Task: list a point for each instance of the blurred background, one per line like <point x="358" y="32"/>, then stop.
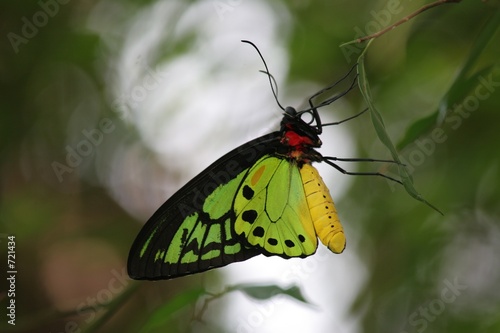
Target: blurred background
<point x="108" y="107"/>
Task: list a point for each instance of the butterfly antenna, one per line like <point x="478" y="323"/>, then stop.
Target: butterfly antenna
<point x="275" y="85"/>
<point x="270" y="77"/>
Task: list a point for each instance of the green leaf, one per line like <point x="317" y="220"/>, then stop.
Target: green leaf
<point x="422" y="125"/>
<point x="378" y="124"/>
<point x="461" y="86"/>
<point x="453" y="96"/>
<point x="264" y="292"/>
<point x="162" y="316"/>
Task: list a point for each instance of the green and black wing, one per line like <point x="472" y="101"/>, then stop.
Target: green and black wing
<point x="193" y="231"/>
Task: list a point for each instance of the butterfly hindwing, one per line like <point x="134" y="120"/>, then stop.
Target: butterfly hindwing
<point x="272" y="210"/>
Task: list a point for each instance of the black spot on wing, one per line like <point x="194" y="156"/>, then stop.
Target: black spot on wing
<point x="258" y="232"/>
<point x="272" y="241"/>
<point x="249" y="216"/>
<point x="248" y="192"/>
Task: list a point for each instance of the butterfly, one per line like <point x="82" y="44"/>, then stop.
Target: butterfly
<point x="264" y="197"/>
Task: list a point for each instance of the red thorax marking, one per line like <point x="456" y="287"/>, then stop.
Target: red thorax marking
<point x="294" y="140"/>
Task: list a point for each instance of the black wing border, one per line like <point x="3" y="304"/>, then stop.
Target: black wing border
<point x="187" y="200"/>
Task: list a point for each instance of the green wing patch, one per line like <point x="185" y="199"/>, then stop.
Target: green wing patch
<point x="272" y="211"/>
<point x="202" y="240"/>
<point x="193" y="231"/>
<point x="206" y="235"/>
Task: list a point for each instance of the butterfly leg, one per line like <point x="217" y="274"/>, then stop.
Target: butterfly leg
<point x="328" y="161"/>
<point x="347" y="119"/>
<point x="331" y="158"/>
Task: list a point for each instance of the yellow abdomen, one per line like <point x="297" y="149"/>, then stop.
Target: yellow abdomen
<point x="323" y="213"/>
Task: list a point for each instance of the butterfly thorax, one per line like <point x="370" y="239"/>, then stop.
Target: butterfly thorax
<point x="299" y="140"/>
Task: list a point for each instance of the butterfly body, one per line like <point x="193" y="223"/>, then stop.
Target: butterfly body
<point x="263" y="197"/>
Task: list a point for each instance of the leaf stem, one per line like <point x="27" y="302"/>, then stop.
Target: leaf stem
<point x="403" y="20"/>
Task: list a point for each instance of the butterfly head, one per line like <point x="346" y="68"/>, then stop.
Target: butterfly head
<point x="298" y="134"/>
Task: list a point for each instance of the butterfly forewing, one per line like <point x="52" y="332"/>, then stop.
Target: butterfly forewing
<point x="193" y="231"/>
